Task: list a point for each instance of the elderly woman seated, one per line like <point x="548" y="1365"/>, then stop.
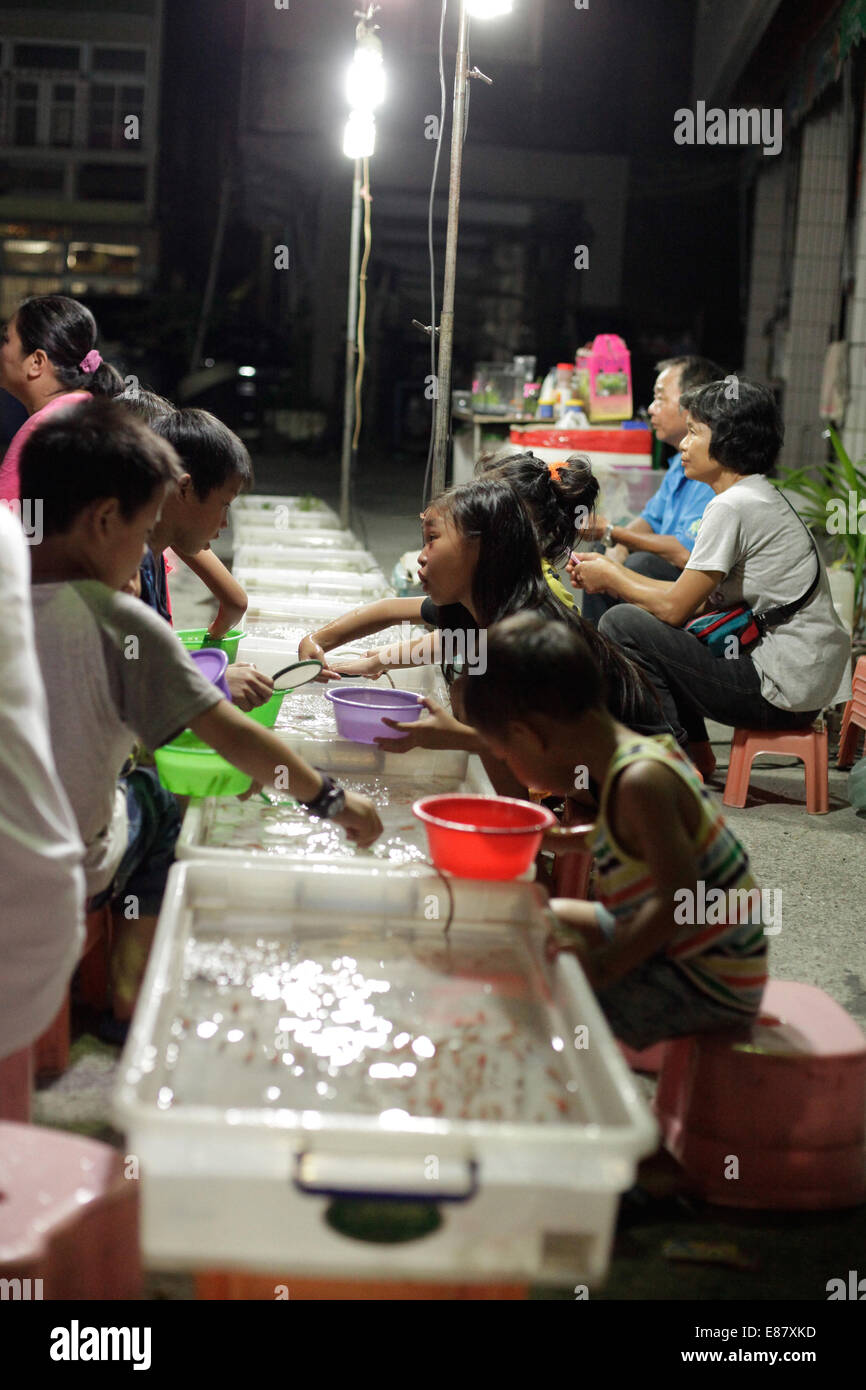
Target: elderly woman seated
<point x="751" y="548"/>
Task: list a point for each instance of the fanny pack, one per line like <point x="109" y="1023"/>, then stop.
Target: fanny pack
<point x="715" y="628"/>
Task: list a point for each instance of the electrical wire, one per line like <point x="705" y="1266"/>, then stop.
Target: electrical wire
<point x="430" y="252"/>
<point x="360" y="345"/>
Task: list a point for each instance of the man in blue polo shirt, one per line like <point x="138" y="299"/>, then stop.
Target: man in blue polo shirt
<point x="659" y="542"/>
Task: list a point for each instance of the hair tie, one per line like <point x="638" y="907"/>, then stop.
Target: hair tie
<point x="554" y="469"/>
<point x="89" y="363"/>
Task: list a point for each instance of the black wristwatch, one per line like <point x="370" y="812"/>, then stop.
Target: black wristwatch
<point x="329" y="802"/>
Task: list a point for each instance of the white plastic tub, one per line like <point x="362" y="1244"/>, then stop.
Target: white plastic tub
<point x="271" y="654"/>
<point x="253" y="532"/>
<point x="248" y="1122"/>
<point x="299" y="511"/>
<point x="218" y="828"/>
<point x="343" y="586"/>
<point x="297" y="557"/>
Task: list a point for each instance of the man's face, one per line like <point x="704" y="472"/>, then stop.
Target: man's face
<point x="668" y="420"/>
<point x="196" y="522"/>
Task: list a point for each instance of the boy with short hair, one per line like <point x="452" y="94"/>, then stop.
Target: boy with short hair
<point x="216" y="467"/>
<point x="114" y="672"/>
<point x="663" y="852"/>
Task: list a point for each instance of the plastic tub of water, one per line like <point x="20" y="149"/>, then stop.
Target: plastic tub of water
<point x="299" y="511"/>
<point x="360" y="712"/>
<point x="483" y="837"/>
<point x="295" y="557"/>
<point x="344" y="586"/>
<point x="471" y="1047"/>
<point x="253" y="529"/>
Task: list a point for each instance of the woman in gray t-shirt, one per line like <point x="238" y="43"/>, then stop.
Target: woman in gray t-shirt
<point x="751" y="548"/>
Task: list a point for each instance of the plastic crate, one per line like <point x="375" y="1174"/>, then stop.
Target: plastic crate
<point x="242" y="1162"/>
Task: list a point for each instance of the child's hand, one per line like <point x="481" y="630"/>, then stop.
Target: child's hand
<point x="369" y="666"/>
<point x="441" y="730"/>
<point x="308" y="650"/>
<point x="249" y="686"/>
<point x="360" y="820"/>
<point x="133" y="585"/>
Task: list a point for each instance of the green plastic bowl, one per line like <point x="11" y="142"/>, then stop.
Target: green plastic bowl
<point x="194" y="637"/>
<point x="188" y="767"/>
<point x="268" y="712"/>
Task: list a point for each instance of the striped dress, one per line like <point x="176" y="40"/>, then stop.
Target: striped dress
<point x="725" y="959"/>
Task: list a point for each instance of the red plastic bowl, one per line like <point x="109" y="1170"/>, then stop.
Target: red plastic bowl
<point x="494" y="837"/>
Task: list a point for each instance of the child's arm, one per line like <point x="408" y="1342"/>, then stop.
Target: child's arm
<point x="420" y="651"/>
<point x="650" y="825"/>
<point x="262" y="755"/>
<point x="226" y="590"/>
<point x="441" y="730"/>
<point x="360" y="622"/>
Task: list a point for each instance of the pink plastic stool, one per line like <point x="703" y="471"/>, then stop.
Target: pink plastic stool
<point x="786" y="1099"/>
<point x="808" y="744"/>
<point x="854" y="718"/>
<point x="67" y="1215"/>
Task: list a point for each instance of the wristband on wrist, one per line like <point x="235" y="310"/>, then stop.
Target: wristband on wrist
<point x="328" y="802"/>
<point x="607" y="538"/>
<point x="605" y="920"/>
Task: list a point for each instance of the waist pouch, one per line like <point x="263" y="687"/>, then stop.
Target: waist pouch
<point x="714" y="629"/>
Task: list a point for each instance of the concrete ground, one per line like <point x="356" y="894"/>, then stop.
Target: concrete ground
<point x="815" y="862"/>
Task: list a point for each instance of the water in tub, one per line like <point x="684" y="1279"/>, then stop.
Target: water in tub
<point x="359" y="1021"/>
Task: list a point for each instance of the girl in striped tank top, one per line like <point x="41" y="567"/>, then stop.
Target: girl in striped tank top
<point x="677" y="942"/>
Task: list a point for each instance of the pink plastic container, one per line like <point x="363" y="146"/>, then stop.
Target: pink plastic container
<point x="493" y="837"/>
<point x="360" y="711"/>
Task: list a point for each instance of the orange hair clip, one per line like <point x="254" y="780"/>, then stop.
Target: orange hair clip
<point x="554" y="469"/>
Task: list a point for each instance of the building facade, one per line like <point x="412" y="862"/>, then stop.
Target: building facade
<point x="79" y="123"/>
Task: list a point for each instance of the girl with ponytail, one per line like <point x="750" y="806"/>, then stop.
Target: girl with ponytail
<point x="48" y="360"/>
<point x="560" y="499"/>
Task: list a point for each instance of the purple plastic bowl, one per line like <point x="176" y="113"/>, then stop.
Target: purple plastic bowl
<point x="213" y="663"/>
<point x="360" y="711"/>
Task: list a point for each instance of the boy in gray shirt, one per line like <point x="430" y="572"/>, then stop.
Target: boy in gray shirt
<point x="115" y="673"/>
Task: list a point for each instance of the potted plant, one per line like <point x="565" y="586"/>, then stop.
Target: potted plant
<point x="832" y="501"/>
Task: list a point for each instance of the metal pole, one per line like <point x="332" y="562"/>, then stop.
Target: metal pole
<point x="351" y="332"/>
<point x="215" y="258"/>
<point x="446" y="323"/>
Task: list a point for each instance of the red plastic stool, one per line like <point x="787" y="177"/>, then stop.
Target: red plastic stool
<point x="774" y="1115"/>
<point x="68" y="1217"/>
<point x="808" y="744"/>
<point x="854" y="718"/>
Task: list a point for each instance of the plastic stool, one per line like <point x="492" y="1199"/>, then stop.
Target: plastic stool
<point x="67" y="1216"/>
<point x="854" y="717"/>
<point x="810" y="745"/>
<point x="785" y="1098"/>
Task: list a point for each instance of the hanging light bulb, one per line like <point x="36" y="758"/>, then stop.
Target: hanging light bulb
<point x="489" y="9"/>
<point x="359" y="138"/>
<point x="365" y="80"/>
